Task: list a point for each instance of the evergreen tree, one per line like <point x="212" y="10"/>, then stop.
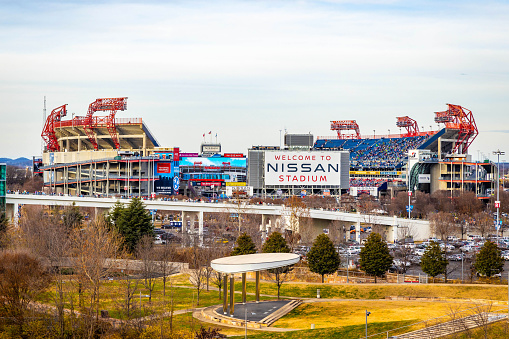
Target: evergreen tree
<point x="275" y="243"/>
<point x="433" y="261"/>
<point x="245" y="245"/>
<point x="323" y="257"/>
<point x="375" y="258"/>
<point x="489" y="261"/>
<point x="132" y="222"/>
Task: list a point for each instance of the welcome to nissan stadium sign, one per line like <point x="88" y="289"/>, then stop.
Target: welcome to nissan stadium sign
<point x="302" y="168"/>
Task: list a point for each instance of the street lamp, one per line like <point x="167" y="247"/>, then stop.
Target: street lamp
<point x="367" y="314"/>
<point x="498" y="153"/>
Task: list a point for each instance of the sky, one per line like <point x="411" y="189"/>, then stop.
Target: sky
<point x="251" y="70"/>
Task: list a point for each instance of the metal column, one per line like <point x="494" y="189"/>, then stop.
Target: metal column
<point x="244" y="287"/>
<point x="257" y="293"/>
<point x="232" y="295"/>
<point x="225" y="293"/>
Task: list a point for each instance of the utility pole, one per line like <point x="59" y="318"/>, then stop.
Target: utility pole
<point x="498" y="153"/>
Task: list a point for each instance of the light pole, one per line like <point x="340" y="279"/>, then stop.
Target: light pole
<point x="409" y="208"/>
<point x="461" y="251"/>
<point x="498" y="153"/>
<point x="367" y="315"/>
<point x="373" y="134"/>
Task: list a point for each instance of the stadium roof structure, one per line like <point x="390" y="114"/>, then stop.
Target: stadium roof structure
<point x="92" y="132"/>
<point x="448" y="138"/>
<point x="132" y="133"/>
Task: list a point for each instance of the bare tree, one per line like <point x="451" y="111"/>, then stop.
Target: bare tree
<point x="198" y="271"/>
<point x="442" y="224"/>
<point x="127" y="304"/>
<point x="147" y="256"/>
<point x="297" y="213"/>
<point x="165" y="263"/>
<point x="22" y="279"/>
<point x="94" y="247"/>
<point x="404" y="252"/>
<point x="483" y="222"/>
<point x="481" y="316"/>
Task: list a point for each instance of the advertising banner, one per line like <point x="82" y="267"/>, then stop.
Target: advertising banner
<point x="302" y="168"/>
<point x="164" y="173"/>
<point x="213" y="162"/>
<point x="164" y="167"/>
<point x="424" y="178"/>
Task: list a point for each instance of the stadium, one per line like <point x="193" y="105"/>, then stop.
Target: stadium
<point x="413" y="160"/>
<point x="104" y="155"/>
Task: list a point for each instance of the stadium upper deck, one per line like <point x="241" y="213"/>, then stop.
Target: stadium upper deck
<point x="384" y="153"/>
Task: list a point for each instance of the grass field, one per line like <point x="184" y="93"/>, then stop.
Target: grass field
<point x="332" y="319"/>
<point x="344" y="313"/>
<point x="380" y="291"/>
<point x="112" y="294"/>
<point x="352" y="331"/>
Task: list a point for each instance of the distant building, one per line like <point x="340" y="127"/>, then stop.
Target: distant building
<point x="3" y="187"/>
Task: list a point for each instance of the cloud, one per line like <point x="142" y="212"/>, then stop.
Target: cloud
<point x="248" y="69"/>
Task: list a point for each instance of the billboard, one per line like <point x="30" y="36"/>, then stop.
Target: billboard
<point x="213" y="162"/>
<point x="302" y="168"/>
<point x="165" y="173"/>
<point x="424" y="178"/>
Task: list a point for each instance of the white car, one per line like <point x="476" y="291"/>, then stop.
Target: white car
<point x="354" y="250"/>
<point x="419" y="251"/>
<point x="447" y="247"/>
<point x="401" y="263"/>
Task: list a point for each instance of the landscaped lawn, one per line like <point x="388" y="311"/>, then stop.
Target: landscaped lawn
<point x="380" y="291"/>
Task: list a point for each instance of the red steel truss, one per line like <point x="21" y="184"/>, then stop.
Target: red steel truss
<point x="412" y="129"/>
<point x="105" y="104"/>
<point x="462" y="119"/>
<point x="48" y="131"/>
<point x="346" y="125"/>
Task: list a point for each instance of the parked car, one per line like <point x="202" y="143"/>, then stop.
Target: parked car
<point x="419" y="251"/>
<point x="353" y="250"/>
<point x="401" y="263"/>
<point x="454" y="257"/>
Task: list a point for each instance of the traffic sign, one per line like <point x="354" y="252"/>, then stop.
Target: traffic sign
<point x="409" y="208"/>
<point x="409" y="193"/>
<point x="497" y="204"/>
<point x="176" y="184"/>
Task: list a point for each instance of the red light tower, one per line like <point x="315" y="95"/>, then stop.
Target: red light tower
<point x="412" y="129"/>
<point x="48" y="131"/>
<point x="346" y="125"/>
<point x="105" y="104"/>
<point x="461" y="119"/>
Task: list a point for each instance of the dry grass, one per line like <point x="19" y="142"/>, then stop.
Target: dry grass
<point x="346" y="313"/>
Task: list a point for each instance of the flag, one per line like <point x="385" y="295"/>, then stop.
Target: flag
<point x="204" y="135"/>
<point x="210" y="132"/>
<point x="216" y="135"/>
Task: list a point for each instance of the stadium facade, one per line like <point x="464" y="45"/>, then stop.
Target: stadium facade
<point x="107" y="156"/>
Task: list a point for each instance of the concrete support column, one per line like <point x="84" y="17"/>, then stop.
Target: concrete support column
<point x="200" y="223"/>
<point x="225" y="293"/>
<point x="244" y="288"/>
<point x="9" y="211"/>
<point x="257" y="292"/>
<point x="232" y="295"/>
<point x="184" y="223"/>
<point x="358" y="229"/>
<point x="15" y="217"/>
